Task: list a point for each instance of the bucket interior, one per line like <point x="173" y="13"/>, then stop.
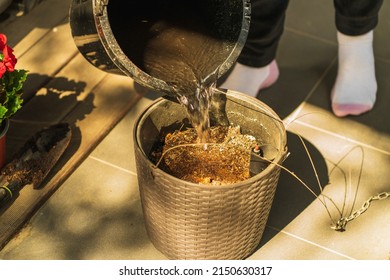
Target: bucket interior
<point x="171" y="42"/>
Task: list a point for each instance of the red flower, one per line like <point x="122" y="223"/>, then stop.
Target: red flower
<point x="3" y="41"/>
<point x="3" y="69"/>
<point x="9" y="58"/>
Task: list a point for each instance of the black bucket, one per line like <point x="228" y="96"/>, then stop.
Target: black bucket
<point x="207" y="36"/>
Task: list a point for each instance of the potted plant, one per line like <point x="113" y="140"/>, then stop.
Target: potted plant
<point x="11" y="84"/>
<point x="187" y="220"/>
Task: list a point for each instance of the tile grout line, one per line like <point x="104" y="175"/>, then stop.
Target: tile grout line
<point x="343" y="137"/>
<point x="113" y="165"/>
<point x="311" y="243"/>
<point x="308" y="35"/>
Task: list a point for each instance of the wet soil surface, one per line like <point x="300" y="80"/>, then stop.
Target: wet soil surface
<point x="224" y="159"/>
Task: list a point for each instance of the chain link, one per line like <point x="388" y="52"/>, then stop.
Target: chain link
<point x="342" y="222"/>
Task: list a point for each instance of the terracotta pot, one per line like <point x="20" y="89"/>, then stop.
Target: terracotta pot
<point x="3" y="131"/>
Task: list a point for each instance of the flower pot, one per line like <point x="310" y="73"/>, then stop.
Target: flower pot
<point x="192" y="221"/>
<point x="3" y="131"/>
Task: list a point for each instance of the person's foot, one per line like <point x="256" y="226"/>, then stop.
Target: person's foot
<point x="354" y="91"/>
<point x="251" y="80"/>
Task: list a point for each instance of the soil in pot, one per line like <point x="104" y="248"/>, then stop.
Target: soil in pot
<point x="224" y="159"/>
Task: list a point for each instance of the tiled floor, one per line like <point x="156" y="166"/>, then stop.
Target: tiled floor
<point x="96" y="213"/>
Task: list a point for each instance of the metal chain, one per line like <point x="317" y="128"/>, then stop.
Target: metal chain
<point x="342" y="223"/>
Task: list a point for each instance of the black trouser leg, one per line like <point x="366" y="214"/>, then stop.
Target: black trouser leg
<point x="267" y="24"/>
<point x="357" y="17"/>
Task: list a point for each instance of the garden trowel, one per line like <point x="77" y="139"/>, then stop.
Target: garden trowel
<point x="34" y="160"/>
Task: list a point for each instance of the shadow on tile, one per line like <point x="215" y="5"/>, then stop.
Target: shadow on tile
<point x="291" y="196"/>
<point x="147" y="92"/>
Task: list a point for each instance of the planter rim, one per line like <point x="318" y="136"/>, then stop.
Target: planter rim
<point x="278" y="159"/>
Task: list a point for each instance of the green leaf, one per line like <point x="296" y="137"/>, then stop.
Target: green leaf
<point x="11" y="86"/>
<point x="14" y="104"/>
<point x="13" y="81"/>
<point x="3" y="111"/>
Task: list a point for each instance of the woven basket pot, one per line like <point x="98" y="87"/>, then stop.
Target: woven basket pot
<point x="185" y="220"/>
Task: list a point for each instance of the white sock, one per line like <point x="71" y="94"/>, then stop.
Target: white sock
<point x="354" y="91"/>
<point x="250" y="80"/>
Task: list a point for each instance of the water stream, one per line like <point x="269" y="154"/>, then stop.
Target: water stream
<point x="188" y="61"/>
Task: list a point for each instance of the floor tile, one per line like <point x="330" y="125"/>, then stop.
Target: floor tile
<point x="362" y="240"/>
<point x="96" y="214"/>
<point x="312" y="18"/>
<point x="382" y="33"/>
<point x="293" y="248"/>
<point x="343" y="165"/>
<point x="118" y="147"/>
